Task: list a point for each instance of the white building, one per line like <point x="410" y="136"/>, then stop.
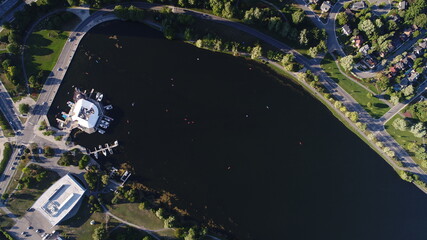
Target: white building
<point x="326" y="6"/>
<point x="86" y="114"/>
<point x="61" y="201"/>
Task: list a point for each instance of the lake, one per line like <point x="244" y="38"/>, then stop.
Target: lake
<point x="238" y="144"/>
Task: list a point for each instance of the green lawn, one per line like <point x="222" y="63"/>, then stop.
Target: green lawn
<point x="44" y="49"/>
<point x="45" y="44"/>
<point x="130" y="212"/>
<point x="360" y="94"/>
<point x="78" y="227"/>
<point x="404" y="138"/>
<point x="5" y="222"/>
<point x="21" y="200"/>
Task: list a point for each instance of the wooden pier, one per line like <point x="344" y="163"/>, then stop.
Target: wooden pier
<point x="104" y="150"/>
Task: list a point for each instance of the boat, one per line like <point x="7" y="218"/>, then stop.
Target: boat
<point x="101" y="131"/>
<point x="70" y="104"/>
<point x="108" y="107"/>
<point x="108" y="148"/>
<point x="95" y="154"/>
<point x="104" y="152"/>
<point x="99" y="97"/>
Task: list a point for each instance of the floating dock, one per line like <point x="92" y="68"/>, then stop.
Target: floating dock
<point x="103" y="149"/>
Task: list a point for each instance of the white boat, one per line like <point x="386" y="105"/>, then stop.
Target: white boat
<point x="70" y="104"/>
<point x="101" y="131"/>
<point x="99" y="97"/>
<point x="95" y="154"/>
<point x="104" y="152"/>
<point x="108" y="107"/>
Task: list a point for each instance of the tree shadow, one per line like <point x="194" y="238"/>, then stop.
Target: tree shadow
<point x="381" y="105"/>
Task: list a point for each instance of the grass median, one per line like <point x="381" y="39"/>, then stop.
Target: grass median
<point x="359" y="93"/>
<point x="7" y="152"/>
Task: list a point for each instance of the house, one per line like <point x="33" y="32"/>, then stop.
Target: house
<point x="394" y="18"/>
<point x="423" y="44"/>
<point x="349" y="13"/>
<point x="364" y="50"/>
<point x="413" y="77"/>
<point x="358" y="41"/>
<point x="407" y="62"/>
<point x="313" y="1"/>
<point x="404" y="83"/>
<point x="370" y="62"/>
<point x="346" y="30"/>
<point x="402" y="5"/>
<point x="408" y="32"/>
<point x="412" y="56"/>
<point x="399" y="66"/>
<point x="357" y="6"/>
<point x="418" y="51"/>
<point x="326" y="6"/>
<point x="392" y="71"/>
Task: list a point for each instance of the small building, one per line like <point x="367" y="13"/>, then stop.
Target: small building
<point x="408" y="32"/>
<point x="364" y="50"/>
<point x="357" y="6"/>
<point x="358" y="41"/>
<point x="394" y="18"/>
<point x="326" y="6"/>
<point x="407" y="62"/>
<point x="313" y="1"/>
<point x="399" y="66"/>
<point x="349" y="13"/>
<point x="423" y="44"/>
<point x="418" y="51"/>
<point x="402" y="5"/>
<point x="412" y="56"/>
<point x="61" y="200"/>
<point x="346" y="30"/>
<point x="413" y="76"/>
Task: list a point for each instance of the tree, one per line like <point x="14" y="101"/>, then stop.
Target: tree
<point x="342" y="18"/>
<point x="48" y="152"/>
<point x="354" y="116"/>
<point x="24" y="108"/>
<point x="418" y="130"/>
<point x="379" y="23"/>
<point x="84" y="161"/>
<point x="421" y="20"/>
<point x="369" y="105"/>
<point x="100" y="233"/>
<point x="256" y="52"/>
<point x="298" y="16"/>
<point x="104" y="179"/>
<point x="367" y="26"/>
<point x="13" y="48"/>
<point x="408" y="91"/>
<point x="394" y="100"/>
<point x="313" y="52"/>
<point x="400" y="124"/>
<point x="228" y="11"/>
<point x="347" y="62"/>
<point x="303" y="39"/>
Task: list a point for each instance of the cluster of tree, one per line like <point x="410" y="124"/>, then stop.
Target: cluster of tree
<point x="24" y="108"/>
<point x="419" y="151"/>
<point x="48" y="151"/>
<point x="5" y="235"/>
<point x="34" y="174"/>
<point x="193" y="233"/>
<point x="7" y="152"/>
<point x="5" y="126"/>
<point x="311" y="79"/>
<point x="100" y="233"/>
<point x="95" y="204"/>
<point x="127" y="193"/>
<point x="73" y="157"/>
<point x="289" y="64"/>
<point x="419" y="111"/>
<point x="93" y="177"/>
<point x="418" y="129"/>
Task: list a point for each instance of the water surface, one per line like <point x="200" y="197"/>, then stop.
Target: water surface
<point x="238" y="144"/>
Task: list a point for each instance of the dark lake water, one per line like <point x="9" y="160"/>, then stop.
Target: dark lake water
<point x="238" y="144"/>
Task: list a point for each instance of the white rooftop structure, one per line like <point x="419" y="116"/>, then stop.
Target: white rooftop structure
<point x="58" y="202"/>
<point x="86" y="113"/>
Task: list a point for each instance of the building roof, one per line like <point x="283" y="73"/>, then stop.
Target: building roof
<point x="86" y="113"/>
<point x="59" y="199"/>
<point x="402" y="5"/>
<point x="326" y="6"/>
<point x="346" y="30"/>
<point x="358" y="5"/>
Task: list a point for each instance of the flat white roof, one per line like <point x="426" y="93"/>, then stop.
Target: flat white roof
<point x="85" y="113"/>
<point x="57" y="201"/>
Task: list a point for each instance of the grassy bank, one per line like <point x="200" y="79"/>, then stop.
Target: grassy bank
<point x="359" y="94"/>
<point x="5" y="126"/>
<point x="7" y="152"/>
<point x="46" y="43"/>
<point x="404" y="138"/>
